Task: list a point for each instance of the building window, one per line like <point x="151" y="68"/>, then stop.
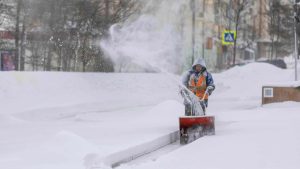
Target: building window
<point x="268" y="92"/>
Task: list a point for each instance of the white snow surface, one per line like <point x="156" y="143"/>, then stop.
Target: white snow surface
<point x="285" y="84"/>
<point x="65" y="120"/>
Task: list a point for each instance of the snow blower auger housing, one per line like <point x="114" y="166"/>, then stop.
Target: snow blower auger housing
<point x="195" y="123"/>
<point x="194" y="127"/>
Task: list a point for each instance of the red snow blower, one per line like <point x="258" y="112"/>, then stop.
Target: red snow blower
<point x="195" y="123"/>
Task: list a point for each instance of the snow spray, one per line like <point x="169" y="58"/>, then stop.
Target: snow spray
<point x="151" y="42"/>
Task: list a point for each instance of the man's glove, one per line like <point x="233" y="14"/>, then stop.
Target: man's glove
<point x="210" y="89"/>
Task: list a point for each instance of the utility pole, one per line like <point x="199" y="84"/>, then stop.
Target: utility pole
<point x="193" y="7"/>
<point x="296" y="20"/>
<point x="230" y="14"/>
<point x="203" y="30"/>
<point x="17" y="35"/>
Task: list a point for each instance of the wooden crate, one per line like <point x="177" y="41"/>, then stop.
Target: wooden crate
<point x="273" y="94"/>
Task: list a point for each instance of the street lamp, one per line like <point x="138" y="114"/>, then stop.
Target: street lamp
<point x="296" y="21"/>
<point x="193" y="7"/>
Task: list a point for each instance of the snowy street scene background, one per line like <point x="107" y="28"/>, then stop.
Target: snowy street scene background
<point x="97" y="84"/>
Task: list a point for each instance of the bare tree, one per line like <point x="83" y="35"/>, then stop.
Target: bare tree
<point x="238" y="8"/>
<point x="5" y="13"/>
<point x="64" y="35"/>
<point x="233" y="13"/>
<point x="280" y="28"/>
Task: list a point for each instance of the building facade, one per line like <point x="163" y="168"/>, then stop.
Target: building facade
<point x="215" y="16"/>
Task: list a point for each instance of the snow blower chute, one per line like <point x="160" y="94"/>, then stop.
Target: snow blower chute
<point x="195" y="123"/>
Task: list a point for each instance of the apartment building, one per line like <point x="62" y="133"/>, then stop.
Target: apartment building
<point x="215" y="16"/>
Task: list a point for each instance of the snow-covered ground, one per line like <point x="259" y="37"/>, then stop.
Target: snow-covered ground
<point x="54" y="120"/>
<point x="262" y="138"/>
<point x="64" y="120"/>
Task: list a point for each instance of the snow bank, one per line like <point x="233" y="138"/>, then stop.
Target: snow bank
<point x="8" y="119"/>
<point x="66" y="144"/>
<point x="25" y="91"/>
<point x="63" y="149"/>
<point x="242" y="85"/>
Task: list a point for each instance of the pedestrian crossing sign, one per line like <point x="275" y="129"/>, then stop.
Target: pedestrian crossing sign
<point x="228" y="37"/>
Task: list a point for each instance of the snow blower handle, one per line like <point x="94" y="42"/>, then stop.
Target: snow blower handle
<point x="206" y="93"/>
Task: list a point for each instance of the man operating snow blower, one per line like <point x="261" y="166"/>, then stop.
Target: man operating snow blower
<point x="198" y="84"/>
